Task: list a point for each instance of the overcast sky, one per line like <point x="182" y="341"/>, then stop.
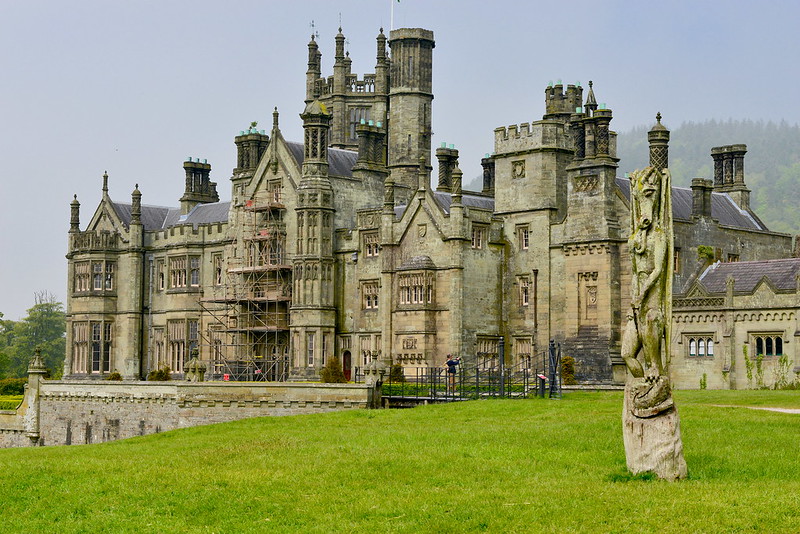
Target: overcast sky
<point x="134" y="87"/>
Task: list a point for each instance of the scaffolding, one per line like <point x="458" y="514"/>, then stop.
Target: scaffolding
<point x="247" y="334"/>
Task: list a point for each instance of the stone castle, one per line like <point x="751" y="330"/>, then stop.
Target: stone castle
<point x="339" y="245"/>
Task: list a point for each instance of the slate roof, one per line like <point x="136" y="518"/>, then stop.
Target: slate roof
<point x="160" y="217"/>
<point x="747" y="275"/>
<point x="340" y="162"/>
<point x="446" y="199"/>
<point x="723" y="208"/>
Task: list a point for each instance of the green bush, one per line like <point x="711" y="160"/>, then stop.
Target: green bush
<point x="396" y="374"/>
<point x="10" y="402"/>
<point x="162" y="374"/>
<point x="114" y="376"/>
<point x="332" y="372"/>
<point x="13" y="386"/>
<point x="568" y="370"/>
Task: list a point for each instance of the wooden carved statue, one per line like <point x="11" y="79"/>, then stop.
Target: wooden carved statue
<point x="651" y="426"/>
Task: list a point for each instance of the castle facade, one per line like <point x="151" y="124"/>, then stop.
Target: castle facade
<point x="339" y="245"/>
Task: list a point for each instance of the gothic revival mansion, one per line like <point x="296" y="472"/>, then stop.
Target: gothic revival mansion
<point x="339" y="245"/>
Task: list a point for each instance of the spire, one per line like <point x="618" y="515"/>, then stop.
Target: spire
<point x="105" y="183"/>
<point x="591" y="101"/>
<point x="339" y="46"/>
<point x="136" y="206"/>
<point x="381" y="39"/>
<point x="275" y="121"/>
<point x="74" y="218"/>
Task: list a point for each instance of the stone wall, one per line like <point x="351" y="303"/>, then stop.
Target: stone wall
<point x="78" y="412"/>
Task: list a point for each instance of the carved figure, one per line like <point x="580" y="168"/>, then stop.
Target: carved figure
<point x="651" y="427"/>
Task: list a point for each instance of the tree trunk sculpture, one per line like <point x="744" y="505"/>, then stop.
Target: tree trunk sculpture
<point x="651" y="427"/>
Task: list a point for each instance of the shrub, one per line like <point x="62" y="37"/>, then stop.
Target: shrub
<point x="114" y="376"/>
<point x="704" y="381"/>
<point x="706" y="253"/>
<point x="332" y="372"/>
<point x="13" y="386"/>
<point x="396" y="374"/>
<point x="568" y="370"/>
<point x="10" y="402"/>
<point x="162" y="374"/>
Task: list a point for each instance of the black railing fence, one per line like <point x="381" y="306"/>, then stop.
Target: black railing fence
<point x="484" y="376"/>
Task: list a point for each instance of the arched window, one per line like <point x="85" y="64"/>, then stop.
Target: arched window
<point x="759" y="346"/>
<point x="701" y="347"/>
<point x="778" y="346"/>
<point x="692" y="347"/>
<point x="769" y="351"/>
<point x="710" y="348"/>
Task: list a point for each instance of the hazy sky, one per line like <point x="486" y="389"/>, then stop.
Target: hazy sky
<point x="134" y="87"/>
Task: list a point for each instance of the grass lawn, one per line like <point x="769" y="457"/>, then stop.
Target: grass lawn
<point x="10" y="402"/>
<point x="494" y="466"/>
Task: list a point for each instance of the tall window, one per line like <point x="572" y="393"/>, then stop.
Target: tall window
<point x="356" y="115"/>
<point x="369" y="295"/>
<point x="478" y="236"/>
<point x="101" y="333"/>
<point x="176" y="331"/>
<point x="159" y="358"/>
<point x="524" y="290"/>
<point x="523" y="237"/>
<point x="371" y="244"/>
<point x="217" y="260"/>
<point x="365" y="346"/>
<point x="194" y="271"/>
<point x="310" y="349"/>
<point x="324" y="349"/>
<point x="177" y="272"/>
<point x="522" y="351"/>
<point x="80" y="347"/>
<point x="82" y="276"/>
<point x="676" y="261"/>
<point x="161" y="277"/>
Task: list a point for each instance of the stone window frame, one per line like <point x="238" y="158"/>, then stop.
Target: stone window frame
<point x="524" y="285"/>
<point x="92" y="346"/>
<point x="183" y="335"/>
<point x="370" y="291"/>
<point x="94" y="276"/>
<point x="416" y="288"/>
<point x="487" y="351"/>
<point x="770" y="342"/>
<point x="523" y="236"/>
<point x="371" y="245"/>
<point x="184" y="272"/>
<point x="354" y="115"/>
<point x="523" y="351"/>
<point x="676" y="261"/>
<point x="218" y="265"/>
<point x="479" y="233"/>
<point x="699" y="345"/>
<point x="310" y="341"/>
<point x="732" y="258"/>
<point x="159" y="354"/>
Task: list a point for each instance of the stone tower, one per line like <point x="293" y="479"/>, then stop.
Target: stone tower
<point x="410" y="98"/>
<point x="313" y="315"/>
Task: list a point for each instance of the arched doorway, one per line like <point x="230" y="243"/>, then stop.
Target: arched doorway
<point x="347" y="364"/>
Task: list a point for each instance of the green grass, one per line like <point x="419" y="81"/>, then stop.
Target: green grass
<point x="10" y="402"/>
<point x="494" y="466"/>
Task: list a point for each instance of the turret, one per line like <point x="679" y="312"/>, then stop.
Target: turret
<point x="410" y="99"/>
<point x="381" y="66"/>
<point x="559" y="105"/>
<point x="199" y="189"/>
<point x="658" y="137"/>
<point x="314" y="70"/>
<point x="488" y="175"/>
<point x="74" y="215"/>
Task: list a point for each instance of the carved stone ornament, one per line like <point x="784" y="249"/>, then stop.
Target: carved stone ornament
<point x="422" y="229"/>
<point x="518" y="169"/>
<point x="651" y="426"/>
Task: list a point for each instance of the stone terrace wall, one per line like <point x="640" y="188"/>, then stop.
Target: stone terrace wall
<point x="77" y="412"/>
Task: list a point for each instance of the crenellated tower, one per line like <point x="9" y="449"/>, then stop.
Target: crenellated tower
<point x="313" y="315"/>
<point x="410" y="100"/>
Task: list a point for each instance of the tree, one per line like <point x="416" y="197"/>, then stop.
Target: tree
<point x="43" y="327"/>
<point x="6" y="336"/>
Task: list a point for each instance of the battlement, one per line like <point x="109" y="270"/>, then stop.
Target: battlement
<point x="526" y="136"/>
<point x="560" y="104"/>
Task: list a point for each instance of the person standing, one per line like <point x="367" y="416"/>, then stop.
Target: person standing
<point x="452" y="364"/>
